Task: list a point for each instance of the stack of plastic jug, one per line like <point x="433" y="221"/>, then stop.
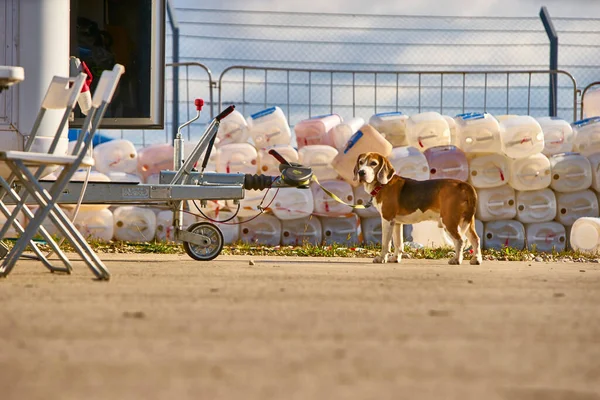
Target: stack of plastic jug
<point x="546" y="236"/>
<point x="428" y="129"/>
<point x="269" y="127"/>
<point x="587" y="136"/>
<point x="591" y="105"/>
<point x="232" y="129"/>
<point x="339" y="135"/>
<point x="504" y="233"/>
<point x="392" y="126"/>
<point x="447" y="162"/>
<point x="488" y="170"/>
<point x="134" y="224"/>
<point x="117" y="155"/>
<point x="521" y="137"/>
<point x="265" y="230"/>
<point x="238" y="157"/>
<point x="292" y="203"/>
<point x="297" y="232"/>
<point x="409" y="162"/>
<point x="153" y="159"/>
<point x="319" y="157"/>
<point x="313" y="131"/>
<point x="324" y="205"/>
<point x="268" y="165"/>
<point x="95" y="224"/>
<point x="478" y="133"/>
<point x="558" y="135"/>
<point x="346" y="231"/>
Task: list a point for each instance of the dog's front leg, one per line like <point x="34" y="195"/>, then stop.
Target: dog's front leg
<point x="386" y="241"/>
<point x="397" y="236"/>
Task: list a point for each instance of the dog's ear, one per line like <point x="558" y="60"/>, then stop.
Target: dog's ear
<point x="356" y="167"/>
<point x="386" y="171"/>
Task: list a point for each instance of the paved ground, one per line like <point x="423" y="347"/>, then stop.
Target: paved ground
<point x="167" y="327"/>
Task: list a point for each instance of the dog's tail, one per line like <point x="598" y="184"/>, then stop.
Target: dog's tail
<point x="470" y="199"/>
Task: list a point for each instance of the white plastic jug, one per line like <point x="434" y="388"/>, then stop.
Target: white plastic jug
<point x="213" y="160"/>
<point x="496" y="203"/>
<point x="558" y="135"/>
<point x="319" y="157"/>
<point x="587" y="136"/>
<point x="536" y="205"/>
<point x="429" y="234"/>
<point x="153" y="159"/>
<point x="339" y="135"/>
<point x="392" y="126"/>
<point x="343" y="231"/>
<point x="367" y="139"/>
<point x="232" y="129"/>
<point x="268" y="165"/>
<point x="571" y="172"/>
<point x="447" y="162"/>
<point x="361" y="198"/>
<point x="371" y="230"/>
<point x="409" y="162"/>
<point x="229" y="228"/>
<point x="95" y="176"/>
<point x="314" y="130"/>
<point x="427" y="129"/>
<point x="574" y="205"/>
<point x="123" y="177"/>
<point x="487" y="170"/>
<point x="238" y="157"/>
<point x="478" y="133"/>
<point x="505" y="233"/>
<point x="522" y="136"/>
<point x="95" y="224"/>
<point x="594" y="160"/>
<point x="293" y="203"/>
<point x="297" y="232"/>
<point x="530" y="173"/>
<point x="327" y="206"/>
<point x="252" y="199"/>
<point x="12" y="232"/>
<point x="585" y="235"/>
<point x="546" y="236"/>
<point x="165" y="231"/>
<point x="264" y="230"/>
<point x="591" y="103"/>
<point x="504" y="117"/>
<point x="134" y="224"/>
<point x="452" y="126"/>
<point x="117" y="155"/>
<point x="269" y="127"/>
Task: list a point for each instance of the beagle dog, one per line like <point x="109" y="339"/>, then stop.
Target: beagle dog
<point x="406" y="201"/>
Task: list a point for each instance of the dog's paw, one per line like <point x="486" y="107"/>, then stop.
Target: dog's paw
<point x="394" y="258"/>
<point x="476" y="261"/>
<point x="453" y="261"/>
<point x="380" y="260"/>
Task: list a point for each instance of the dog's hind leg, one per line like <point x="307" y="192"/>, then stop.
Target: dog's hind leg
<point x="398" y="243"/>
<point x="471" y="234"/>
<point x="386" y="241"/>
<point x="459" y="243"/>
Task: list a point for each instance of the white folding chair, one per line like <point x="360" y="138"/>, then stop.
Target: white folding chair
<point x="23" y="164"/>
<point x="61" y="96"/>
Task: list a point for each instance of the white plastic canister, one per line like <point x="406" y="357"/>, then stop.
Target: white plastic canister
<point x="293" y="203"/>
<point x="339" y="135"/>
<point x="319" y="157"/>
<point x="521" y="136"/>
<point x="324" y="205"/>
<point x="95" y="224"/>
<point x="153" y="159"/>
<point x="345" y="230"/>
<point x="427" y="129"/>
<point x="392" y="126"/>
<point x="371" y="230"/>
<point x="314" y="130"/>
<point x="367" y="139"/>
<point x="594" y="160"/>
<point x="134" y="224"/>
<point x="117" y="155"/>
<point x="558" y="135"/>
<point x="447" y="162"/>
<point x="361" y="198"/>
<point x="452" y="126"/>
<point x="536" y="205"/>
<point x="546" y="236"/>
<point x="238" y="157"/>
<point x="571" y="172"/>
<point x="530" y="173"/>
<point x="496" y="203"/>
<point x="297" y="232"/>
<point x="269" y="127"/>
<point x="252" y="199"/>
<point x="232" y="129"/>
<point x="574" y="205"/>
<point x="488" y="170"/>
<point x="264" y="230"/>
<point x="409" y="162"/>
<point x="504" y="233"/>
<point x="591" y="103"/>
<point x="429" y="234"/>
<point x="478" y="133"/>
<point x="587" y="136"/>
<point x="268" y="165"/>
<point x="165" y="231"/>
<point x="585" y="235"/>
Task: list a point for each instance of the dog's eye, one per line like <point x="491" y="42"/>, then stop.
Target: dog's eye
<point x="373" y="163"/>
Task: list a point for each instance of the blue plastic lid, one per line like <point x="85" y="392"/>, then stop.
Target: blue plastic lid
<point x="586" y="121"/>
<point x="352" y="141"/>
<point x="322" y="116"/>
<point x="385" y="114"/>
<point x="263" y="113"/>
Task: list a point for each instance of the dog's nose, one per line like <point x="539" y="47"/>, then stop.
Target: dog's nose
<point x="361" y="173"/>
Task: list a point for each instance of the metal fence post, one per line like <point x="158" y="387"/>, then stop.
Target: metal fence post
<point x="553" y="37"/>
<point x="175" y="49"/>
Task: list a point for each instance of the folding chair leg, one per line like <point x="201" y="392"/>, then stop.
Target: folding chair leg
<point x="44" y="233"/>
<point x="3" y="249"/>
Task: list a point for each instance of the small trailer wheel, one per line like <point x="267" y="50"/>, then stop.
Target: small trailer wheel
<point x="213" y="246"/>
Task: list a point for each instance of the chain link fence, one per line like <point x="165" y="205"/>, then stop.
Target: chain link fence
<point x="389" y="45"/>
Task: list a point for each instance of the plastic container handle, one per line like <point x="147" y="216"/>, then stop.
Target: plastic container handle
<point x="199" y="103"/>
<point x="225" y="112"/>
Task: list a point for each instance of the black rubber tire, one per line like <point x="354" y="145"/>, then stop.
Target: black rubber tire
<point x="210" y="251"/>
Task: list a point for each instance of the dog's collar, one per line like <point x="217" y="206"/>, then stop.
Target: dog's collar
<point x="376" y="190"/>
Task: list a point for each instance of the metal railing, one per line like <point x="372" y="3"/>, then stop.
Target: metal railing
<point x="303" y="93"/>
<point x="583" y="93"/>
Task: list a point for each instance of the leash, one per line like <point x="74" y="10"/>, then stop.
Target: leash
<point x="336" y="198"/>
